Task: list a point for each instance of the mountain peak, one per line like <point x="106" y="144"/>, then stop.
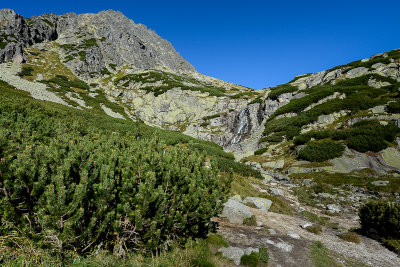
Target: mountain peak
<point x="108" y="37"/>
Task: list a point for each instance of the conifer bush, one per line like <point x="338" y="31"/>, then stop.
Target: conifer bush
<point x="77" y="188"/>
<point x="381" y="218"/>
<point x="321" y="151"/>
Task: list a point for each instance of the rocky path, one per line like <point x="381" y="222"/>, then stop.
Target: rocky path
<point x="288" y="242"/>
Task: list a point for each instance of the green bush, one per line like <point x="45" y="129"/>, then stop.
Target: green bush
<point x="260" y="151"/>
<point x="365" y="143"/>
<point x="321" y="151"/>
<point x="71" y="187"/>
<point x="281" y="89"/>
<point x="252" y="260"/>
<point x="65" y="82"/>
<point x="393" y="107"/>
<point x="274" y="138"/>
<point x="26" y="71"/>
<point x="256" y="100"/>
<point x="381" y="219"/>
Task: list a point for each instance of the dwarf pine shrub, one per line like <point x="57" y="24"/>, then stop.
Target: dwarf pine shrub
<point x="381" y="218"/>
<point x="321" y="151"/>
<point x="72" y="187"/>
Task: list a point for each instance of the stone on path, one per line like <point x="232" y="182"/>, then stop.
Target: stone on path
<point x="235" y="211"/>
<point x="261" y="203"/>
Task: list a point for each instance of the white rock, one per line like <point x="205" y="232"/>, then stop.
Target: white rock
<point x="293" y="235"/>
<point x="285" y="247"/>
<point x="232" y="253"/>
<point x="261" y="203"/>
<point x="235" y="211"/>
<point x="305" y="225"/>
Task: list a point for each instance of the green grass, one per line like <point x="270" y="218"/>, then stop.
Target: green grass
<point x="92" y="42"/>
<point x="251" y="260"/>
<point x="65" y="82"/>
<point x="48" y="22"/>
<point x="251" y="221"/>
<point x="3" y="45"/>
<point x="216" y="241"/>
<point x="195" y="253"/>
<point x="321" y="256"/>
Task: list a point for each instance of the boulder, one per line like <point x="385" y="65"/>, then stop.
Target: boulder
<point x="235" y="211"/>
<point x="232" y="253"/>
<point x="305" y="225"/>
<point x="276" y="191"/>
<point x="274" y="164"/>
<point x="261" y="203"/>
<point x="357" y="72"/>
<point x="391" y="156"/>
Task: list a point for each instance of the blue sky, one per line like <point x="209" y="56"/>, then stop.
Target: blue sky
<point x="255" y="43"/>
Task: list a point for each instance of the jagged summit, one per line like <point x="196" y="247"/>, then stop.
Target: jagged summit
<point x="100" y="39"/>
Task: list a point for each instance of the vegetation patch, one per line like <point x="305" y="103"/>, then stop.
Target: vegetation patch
<point x="350" y="237"/>
<point x="48" y="22"/>
<point x="359" y="96"/>
<point x="65" y="82"/>
<point x="315" y="229"/>
<point x="251" y="260"/>
<point x="394" y="54"/>
<point x="217" y="241"/>
<point x="321" y="151"/>
<point x="363" y="136"/>
<point x="393" y="107"/>
<point x="251" y="221"/>
<point x="321" y="256"/>
<point x="26" y="71"/>
<point x="169" y="81"/>
<point x="314" y="218"/>
<point x="212" y="116"/>
<point x="260" y="151"/>
<point x="281" y="89"/>
<point x="91" y="157"/>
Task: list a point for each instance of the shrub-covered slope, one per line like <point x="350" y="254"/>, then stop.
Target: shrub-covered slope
<point x="351" y="106"/>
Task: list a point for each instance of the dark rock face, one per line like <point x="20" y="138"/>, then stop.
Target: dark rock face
<point x="14" y="35"/>
<point x="101" y="40"/>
